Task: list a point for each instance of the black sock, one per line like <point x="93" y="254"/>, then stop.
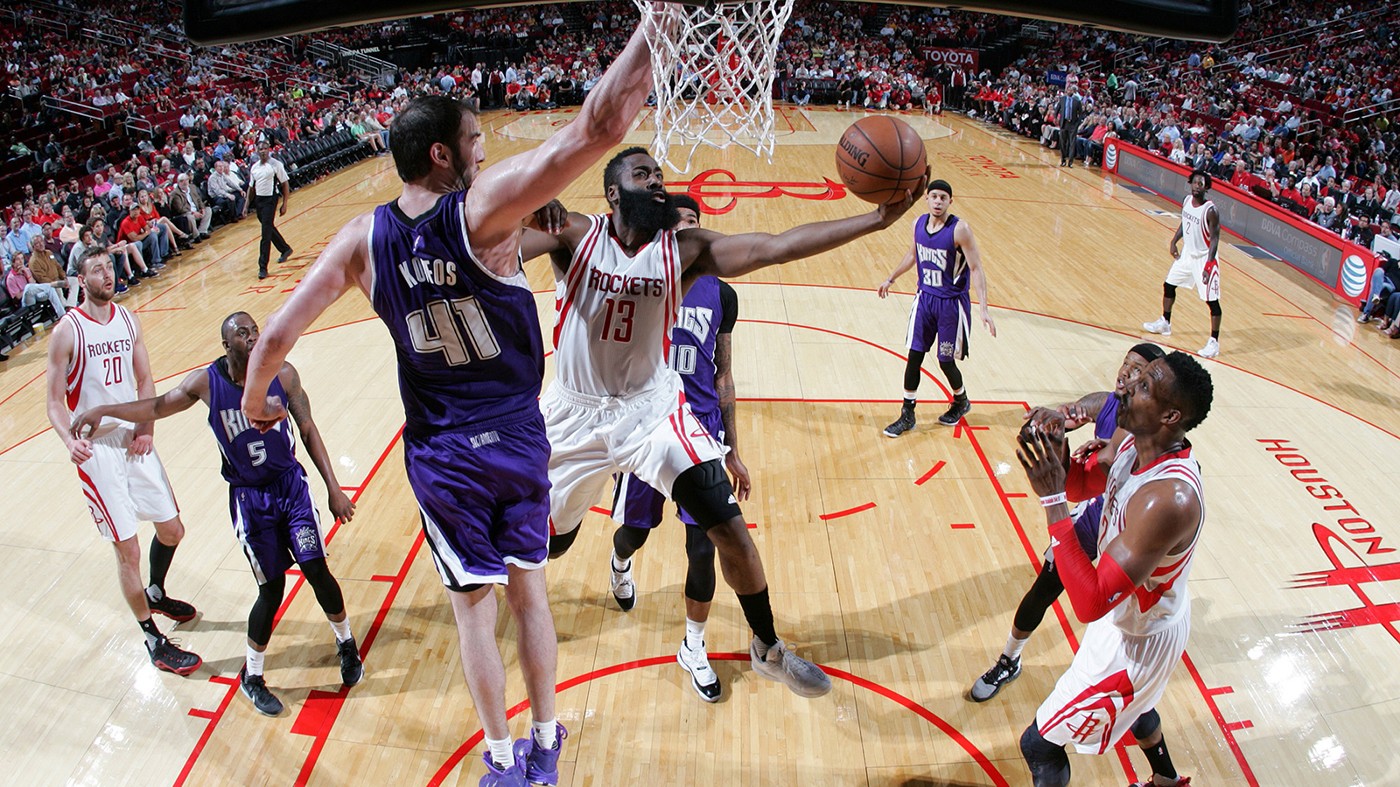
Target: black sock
<point x="960" y="398"/>
<point x="1160" y="759"/>
<point x="1167" y="315"/>
<point x="1215" y="334"/>
<point x="160" y="563"/>
<point x="759" y="614"/>
<point x="148" y="627"/>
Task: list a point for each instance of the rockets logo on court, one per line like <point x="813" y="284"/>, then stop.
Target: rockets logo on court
<point x="718" y="190"/>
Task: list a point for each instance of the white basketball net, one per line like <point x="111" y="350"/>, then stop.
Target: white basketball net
<point x="712" y="70"/>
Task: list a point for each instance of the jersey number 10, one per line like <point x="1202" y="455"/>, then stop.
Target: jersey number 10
<point x="447" y="327"/>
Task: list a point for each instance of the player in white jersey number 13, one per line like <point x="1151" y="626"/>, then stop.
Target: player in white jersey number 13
<point x="615" y="406"/>
<point x="1135" y="600"/>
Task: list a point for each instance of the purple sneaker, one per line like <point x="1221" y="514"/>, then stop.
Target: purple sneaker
<point x="541" y="767"/>
<point x="514" y="776"/>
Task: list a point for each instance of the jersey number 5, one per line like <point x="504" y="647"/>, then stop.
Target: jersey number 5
<point x="441" y="326"/>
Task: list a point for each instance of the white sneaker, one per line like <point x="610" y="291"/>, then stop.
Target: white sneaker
<point x="1159" y="326"/>
<point x="623" y="588"/>
<point x="804" y="678"/>
<point x="1211" y="349"/>
<point x="702" y="677"/>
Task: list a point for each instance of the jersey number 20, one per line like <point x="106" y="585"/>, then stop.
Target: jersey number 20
<point x="447" y="326"/>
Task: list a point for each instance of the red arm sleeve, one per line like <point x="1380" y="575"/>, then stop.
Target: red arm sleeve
<point x="1085" y="481"/>
<point x="1092" y="591"/>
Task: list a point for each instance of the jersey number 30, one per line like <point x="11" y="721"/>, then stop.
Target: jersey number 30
<point x="933" y="277"/>
<point x="447" y="327"/>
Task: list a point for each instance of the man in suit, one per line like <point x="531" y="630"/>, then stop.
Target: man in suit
<point x="190" y="208"/>
<point x="1070" y="109"/>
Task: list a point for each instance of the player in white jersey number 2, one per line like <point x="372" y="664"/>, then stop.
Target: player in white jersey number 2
<point x="615" y="406"/>
<point x="97" y="356"/>
<point x="1196" y="266"/>
<point x="1135" y="600"/>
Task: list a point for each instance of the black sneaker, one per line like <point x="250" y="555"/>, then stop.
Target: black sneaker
<point x="285" y="255"/>
<point x="167" y="656"/>
<point x="352" y="669"/>
<point x="1003" y="672"/>
<point x="904" y="423"/>
<point x="262" y="272"/>
<point x="955" y="413"/>
<point x="173" y="608"/>
<point x="255" y="689"/>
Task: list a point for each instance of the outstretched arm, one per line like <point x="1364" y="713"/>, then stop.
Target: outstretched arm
<point x="299" y="406"/>
<point x="962" y="235"/>
<point x="724" y="390"/>
<point x="194" y="388"/>
<point x="143" y="441"/>
<point x="729" y="256"/>
<point x="342" y="264"/>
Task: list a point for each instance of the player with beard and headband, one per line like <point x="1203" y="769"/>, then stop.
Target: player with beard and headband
<point x="441" y="267"/>
<point x="1101" y="409"/>
<point x="274" y="518"/>
<point x="615" y="406"/>
<point x="1135" y="599"/>
<point x="97" y="355"/>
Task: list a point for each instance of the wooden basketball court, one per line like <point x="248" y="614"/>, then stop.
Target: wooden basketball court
<point x="896" y="564"/>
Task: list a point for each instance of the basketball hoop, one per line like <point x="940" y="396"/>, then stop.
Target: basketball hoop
<point x="712" y="70"/>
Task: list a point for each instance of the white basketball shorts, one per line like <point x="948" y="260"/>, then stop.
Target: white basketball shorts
<point x="123" y="490"/>
<point x="1198" y="272"/>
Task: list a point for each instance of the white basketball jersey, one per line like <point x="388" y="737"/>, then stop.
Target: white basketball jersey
<point x="101" y="371"/>
<point x="613" y="314"/>
<point x="1162" y="599"/>
<point x="1195" y="233"/>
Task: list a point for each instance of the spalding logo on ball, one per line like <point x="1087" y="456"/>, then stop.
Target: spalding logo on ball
<point x="1353" y="276"/>
<point x="880" y="158"/>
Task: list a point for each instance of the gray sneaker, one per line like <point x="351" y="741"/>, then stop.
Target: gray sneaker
<point x="1003" y="672"/>
<point x="780" y="664"/>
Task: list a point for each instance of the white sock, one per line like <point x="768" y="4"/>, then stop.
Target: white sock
<point x="1014" y="646"/>
<point x="341" y="629"/>
<point x="694" y="634"/>
<point x="546" y="734"/>
<point x="255" y="661"/>
<point x="620" y="566"/>
<point x="501" y="753"/>
<point x="911" y="396"/>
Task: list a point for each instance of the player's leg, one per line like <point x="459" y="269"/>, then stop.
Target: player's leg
<point x="1148" y="732"/>
<point x="154" y="500"/>
<point x="699" y="595"/>
<point x="1209" y="290"/>
<point x="302" y="536"/>
<point x="952" y="322"/>
<point x="251" y="682"/>
<point x="474" y="609"/>
<point x="579" y="465"/>
<point x="921" y="334"/>
<point x="1029" y="614"/>
<point x="538" y="650"/>
<point x="168" y="535"/>
<point x="1183" y="273"/>
<point x="1048" y="762"/>
<point x="637" y="510"/>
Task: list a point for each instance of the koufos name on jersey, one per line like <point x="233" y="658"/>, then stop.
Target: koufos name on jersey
<point x="942" y="268"/>
<point x="708" y="309"/>
<point x="251" y="458"/>
<point x="1195" y="233"/>
<point x="1162" y="600"/>
<point x="101" y="371"/>
<point x="468" y="341"/>
<point x="613" y="314"/>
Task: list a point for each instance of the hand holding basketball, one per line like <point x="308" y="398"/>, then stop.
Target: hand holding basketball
<point x="880" y="159"/>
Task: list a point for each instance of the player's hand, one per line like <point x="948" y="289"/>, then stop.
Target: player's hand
<point x="342" y="508"/>
<point x="85" y="423"/>
<point x="742" y="484"/>
<point x="987" y="321"/>
<point x="552" y="218"/>
<point x="282" y="211"/>
<point x="885" y="288"/>
<point x="1172" y="248"/>
<point x="265" y="415"/>
<point x="890" y="212"/>
<point x="1040" y="454"/>
<point x="80" y="450"/>
<point x="141" y="445"/>
<point x="1083" y="452"/>
<point x="1044" y="418"/>
<point x="1075" y="415"/>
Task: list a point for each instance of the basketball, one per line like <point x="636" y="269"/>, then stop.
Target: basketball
<point x="879" y="158"/>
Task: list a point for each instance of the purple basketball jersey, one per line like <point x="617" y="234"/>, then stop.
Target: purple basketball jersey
<point x="1106" y="423"/>
<point x="468" y="341"/>
<point x="709" y="309"/>
<point x="942" y="268"/>
<point x="251" y="458"/>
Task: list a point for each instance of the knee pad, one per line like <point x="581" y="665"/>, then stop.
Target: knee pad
<point x="1214" y="307"/>
<point x="700" y="572"/>
<point x="1168" y="290"/>
<point x="705" y="493"/>
<point x="1048" y="763"/>
<point x="629" y="539"/>
<point x="1147" y="724"/>
<point x="560" y="543"/>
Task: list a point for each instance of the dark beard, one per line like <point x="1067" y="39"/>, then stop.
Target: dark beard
<point x="642" y="213"/>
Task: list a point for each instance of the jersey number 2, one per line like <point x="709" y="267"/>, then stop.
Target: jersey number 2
<point x="442" y="325"/>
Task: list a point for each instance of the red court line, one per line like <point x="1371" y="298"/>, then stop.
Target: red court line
<point x="286" y="602"/>
<point x="963" y="525"/>
<point x="847" y="512"/>
<point x="1225" y="727"/>
<point x="1015" y="495"/>
<point x="25" y="440"/>
<point x="165" y="309"/>
<point x="866" y="342"/>
<point x="29" y="382"/>
<point x="342" y="325"/>
<point x="988" y="767"/>
<point x="600" y="510"/>
<point x="930" y="474"/>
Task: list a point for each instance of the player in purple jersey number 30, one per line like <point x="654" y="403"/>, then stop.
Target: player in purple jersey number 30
<point x="273" y="515"/>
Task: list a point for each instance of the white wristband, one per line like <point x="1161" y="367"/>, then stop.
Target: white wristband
<point x="1054" y="500"/>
